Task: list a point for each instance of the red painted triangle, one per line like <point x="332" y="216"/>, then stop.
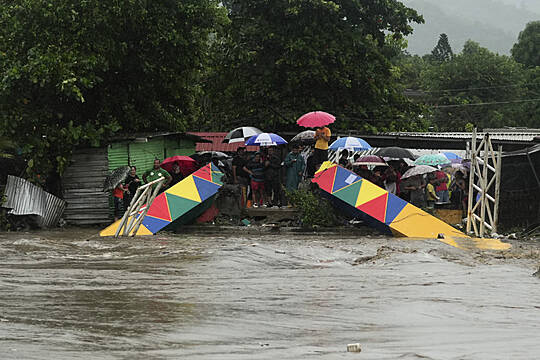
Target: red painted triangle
<point x="204" y="173"/>
<point x="375" y="208"/>
<point x="325" y="179"/>
<point x="160" y="208"/>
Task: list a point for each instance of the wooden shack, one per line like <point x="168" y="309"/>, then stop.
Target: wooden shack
<point x="87" y="204"/>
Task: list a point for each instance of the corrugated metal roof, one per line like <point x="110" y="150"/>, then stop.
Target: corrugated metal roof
<point x="25" y="198"/>
<point x="216" y="144"/>
<point x="525" y="135"/>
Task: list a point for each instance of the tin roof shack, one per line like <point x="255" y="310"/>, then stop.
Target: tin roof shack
<point x="83" y="180"/>
<point x="519" y="202"/>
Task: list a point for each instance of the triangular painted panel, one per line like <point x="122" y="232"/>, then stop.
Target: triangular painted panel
<point x="160" y="208"/>
<point x="368" y="192"/>
<point x="325" y="165"/>
<point x="343" y="178"/>
<point x="216" y="177"/>
<point x="204" y="173"/>
<point x="325" y="179"/>
<point x="393" y="208"/>
<point x="178" y="206"/>
<point x="154" y="224"/>
<point x="205" y="188"/>
<point x="186" y="189"/>
<point x="375" y="208"/>
<point x="349" y="194"/>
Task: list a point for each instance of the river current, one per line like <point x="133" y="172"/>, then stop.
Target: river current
<point x="71" y="295"/>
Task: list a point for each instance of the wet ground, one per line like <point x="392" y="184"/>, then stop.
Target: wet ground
<point x="71" y="295"/>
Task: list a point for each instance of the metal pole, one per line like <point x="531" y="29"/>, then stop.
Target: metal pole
<point x="471" y="181"/>
<point x="497" y="188"/>
<point x="483" y="183"/>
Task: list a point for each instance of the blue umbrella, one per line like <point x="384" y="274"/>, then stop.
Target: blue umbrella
<point x="266" y="139"/>
<point x="350" y="143"/>
<point x="454" y="158"/>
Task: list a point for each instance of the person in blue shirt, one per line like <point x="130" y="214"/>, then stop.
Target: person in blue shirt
<point x="255" y="169"/>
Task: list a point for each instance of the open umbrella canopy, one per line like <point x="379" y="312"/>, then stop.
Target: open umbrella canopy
<point x="266" y="139"/>
<point x="418" y="170"/>
<point x="304" y="137"/>
<point x="116" y="177"/>
<point x="395" y="153"/>
<point x="316" y="119"/>
<point x="213" y="154"/>
<point x="187" y="165"/>
<point x="432" y="159"/>
<point x="350" y="143"/>
<point x="240" y="134"/>
<point x="373" y="160"/>
<point x="454" y="158"/>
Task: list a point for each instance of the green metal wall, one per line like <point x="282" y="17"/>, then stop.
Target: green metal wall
<point x="118" y="155"/>
<point x="142" y="154"/>
<point x="174" y="147"/>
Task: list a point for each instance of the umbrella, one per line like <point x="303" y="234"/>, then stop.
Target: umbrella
<point x="370" y="160"/>
<point x="432" y="159"/>
<point x="240" y="134"/>
<point x="187" y="164"/>
<point x="418" y="170"/>
<point x="454" y="158"/>
<point x="316" y="119"/>
<point x="115" y="178"/>
<point x="305" y="137"/>
<point x="395" y="153"/>
<point x="266" y="139"/>
<point x="351" y="143"/>
<point x="214" y="154"/>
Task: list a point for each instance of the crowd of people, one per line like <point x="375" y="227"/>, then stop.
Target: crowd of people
<point x="265" y="177"/>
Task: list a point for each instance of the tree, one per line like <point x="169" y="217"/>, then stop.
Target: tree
<point x="527" y="48"/>
<point x="442" y="51"/>
<point x="78" y="71"/>
<point x="478" y="87"/>
<point x="280" y="59"/>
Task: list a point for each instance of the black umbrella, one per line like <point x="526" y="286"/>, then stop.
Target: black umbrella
<point x="115" y="177"/>
<point x="241" y="134"/>
<point x="395" y="153"/>
<point x="305" y="137"/>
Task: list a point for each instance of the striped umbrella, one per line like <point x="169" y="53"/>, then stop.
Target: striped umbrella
<point x="350" y="143"/>
<point x="370" y="160"/>
<point x="432" y="160"/>
<point x="266" y="139"/>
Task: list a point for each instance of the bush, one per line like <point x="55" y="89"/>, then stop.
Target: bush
<point x="314" y="211"/>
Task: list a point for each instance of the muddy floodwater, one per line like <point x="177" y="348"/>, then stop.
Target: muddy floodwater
<point x="71" y="295"/>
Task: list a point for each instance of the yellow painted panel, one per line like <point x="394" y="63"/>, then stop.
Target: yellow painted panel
<point x="186" y="189"/>
<point x="368" y="191"/>
<point x="111" y="229"/>
<point x="325" y="165"/>
<point x="414" y="222"/>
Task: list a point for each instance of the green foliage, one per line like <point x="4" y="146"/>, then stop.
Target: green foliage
<point x="5" y="146"/>
<point x="442" y="51"/>
<point x="280" y="59"/>
<point x="314" y="211"/>
<point x="476" y="76"/>
<point x="76" y="72"/>
<point x="527" y="48"/>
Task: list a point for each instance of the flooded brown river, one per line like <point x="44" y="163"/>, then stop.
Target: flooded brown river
<point x="71" y="295"/>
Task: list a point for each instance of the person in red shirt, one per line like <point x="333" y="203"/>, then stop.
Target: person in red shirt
<point x="118" y="197"/>
<point x="442" y="187"/>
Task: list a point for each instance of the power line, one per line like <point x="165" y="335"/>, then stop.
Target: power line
<point x="483" y="104"/>
<point x="478" y="88"/>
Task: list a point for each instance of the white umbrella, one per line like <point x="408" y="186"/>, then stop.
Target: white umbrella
<point x="241" y="134"/>
<point x="418" y="170"/>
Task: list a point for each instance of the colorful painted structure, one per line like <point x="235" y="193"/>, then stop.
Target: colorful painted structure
<point x="359" y="198"/>
<point x="182" y="201"/>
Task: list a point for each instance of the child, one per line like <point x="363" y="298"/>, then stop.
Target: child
<point x="431" y="194"/>
<point x="255" y="169"/>
<point x="118" y="197"/>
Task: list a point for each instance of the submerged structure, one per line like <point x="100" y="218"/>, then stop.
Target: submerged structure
<point x="180" y="204"/>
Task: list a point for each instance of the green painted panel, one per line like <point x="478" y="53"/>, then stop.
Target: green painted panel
<point x="142" y="154"/>
<point x="178" y="206"/>
<point x="174" y="147"/>
<point x="117" y="154"/>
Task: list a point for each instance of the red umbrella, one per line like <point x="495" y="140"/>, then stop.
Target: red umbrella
<point x="316" y="119"/>
<point x="370" y="160"/>
<point x="187" y="164"/>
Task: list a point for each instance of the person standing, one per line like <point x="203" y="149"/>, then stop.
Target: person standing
<point x="176" y="174"/>
<point x="431" y="195"/>
<point x="240" y="176"/>
<point x="273" y="178"/>
<point x="155" y="173"/>
<point x="442" y="187"/>
<point x="118" y="198"/>
<point x="294" y="163"/>
<point x="255" y="169"/>
<point x="415" y="186"/>
<point x="132" y="183"/>
<point x="322" y="137"/>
